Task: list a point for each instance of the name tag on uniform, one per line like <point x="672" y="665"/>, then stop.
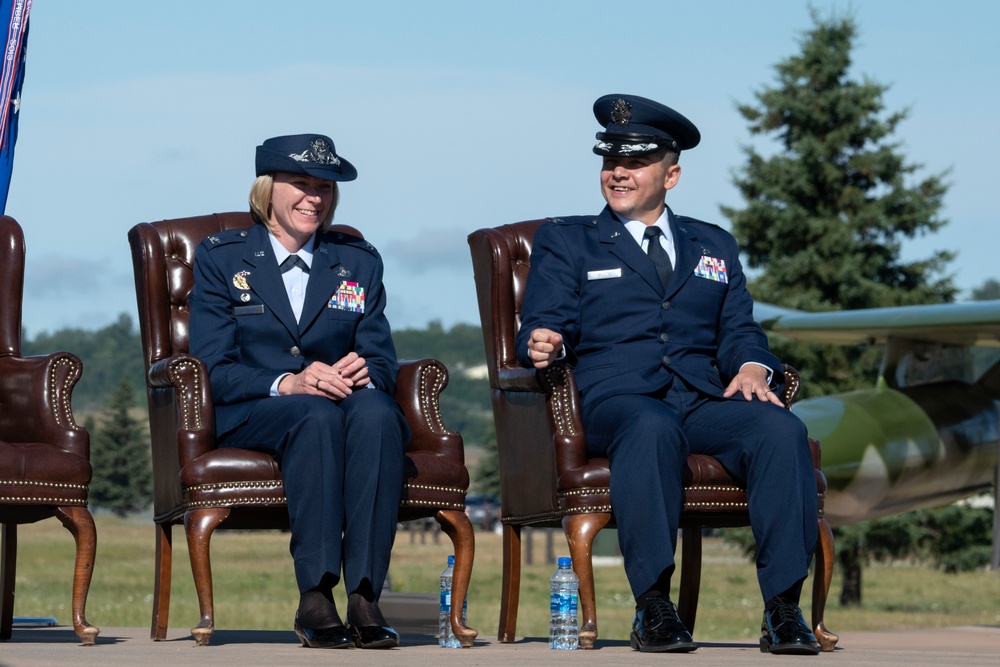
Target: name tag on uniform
<point x="249" y="310"/>
<point x="604" y="275"/>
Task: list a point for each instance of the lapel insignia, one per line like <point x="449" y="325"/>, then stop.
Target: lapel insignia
<point x="343" y="273"/>
<point x="259" y="253"/>
<point x="616" y="235"/>
<point x="712" y="268"/>
<point x="240" y="280"/>
<point x="244" y="297"/>
<point x="349" y="297"/>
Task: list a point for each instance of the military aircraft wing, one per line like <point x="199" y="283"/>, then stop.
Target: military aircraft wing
<point x="975" y="323"/>
<point x="928" y="432"/>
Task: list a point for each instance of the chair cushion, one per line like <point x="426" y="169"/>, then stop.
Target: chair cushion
<point x="707" y="487"/>
<point x="434" y="480"/>
<point x="33" y="473"/>
<point x="232" y="476"/>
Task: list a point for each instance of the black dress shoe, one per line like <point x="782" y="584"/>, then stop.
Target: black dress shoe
<point x="339" y="636"/>
<point x="657" y="628"/>
<point x="783" y="630"/>
<point x="375" y="636"/>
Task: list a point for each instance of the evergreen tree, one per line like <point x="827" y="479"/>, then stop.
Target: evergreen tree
<point x="827" y="211"/>
<point x="123" y="476"/>
<point x="988" y="291"/>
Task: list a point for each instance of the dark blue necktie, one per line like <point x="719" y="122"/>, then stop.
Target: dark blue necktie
<point x="294" y="260"/>
<point x="661" y="260"/>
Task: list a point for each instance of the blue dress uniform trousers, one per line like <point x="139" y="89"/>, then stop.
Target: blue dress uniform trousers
<point x="342" y="463"/>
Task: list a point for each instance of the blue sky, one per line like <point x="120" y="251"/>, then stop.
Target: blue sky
<point x="458" y="115"/>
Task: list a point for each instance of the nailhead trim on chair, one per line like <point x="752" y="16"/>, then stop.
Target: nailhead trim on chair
<point x="237" y="501"/>
<point x="187" y="399"/>
<point x="431" y="407"/>
<point x="34" y="500"/>
<point x="562" y="415"/>
<point x="425" y="487"/>
<point x="64" y="412"/>
<point x="705" y="505"/>
<point x="275" y="484"/>
<point x="55" y="485"/>
<point x="589" y="510"/>
<point x="595" y="491"/>
<point x="432" y="503"/>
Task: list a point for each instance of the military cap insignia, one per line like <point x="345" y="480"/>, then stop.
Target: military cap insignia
<point x="213" y="239"/>
<point x="621" y="112"/>
<point x="318" y="152"/>
<point x="240" y="280"/>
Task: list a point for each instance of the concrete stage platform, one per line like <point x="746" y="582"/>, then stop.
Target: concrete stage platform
<point x="131" y="646"/>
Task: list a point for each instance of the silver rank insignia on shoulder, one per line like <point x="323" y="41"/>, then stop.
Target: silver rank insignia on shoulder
<point x="343" y="273"/>
<point x="244" y="297"/>
<point x="240" y="280"/>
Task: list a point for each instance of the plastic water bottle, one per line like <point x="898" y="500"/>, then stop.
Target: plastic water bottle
<point x="563" y="632"/>
<point x="446" y="636"/>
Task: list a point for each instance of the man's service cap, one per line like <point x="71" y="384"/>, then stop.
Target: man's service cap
<point x="634" y="125"/>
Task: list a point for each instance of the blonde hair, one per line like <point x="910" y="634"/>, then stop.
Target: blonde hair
<point x="260" y="202"/>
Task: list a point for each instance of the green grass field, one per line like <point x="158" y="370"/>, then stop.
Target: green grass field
<point x="255" y="588"/>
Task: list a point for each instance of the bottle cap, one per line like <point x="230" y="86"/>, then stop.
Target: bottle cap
<point x="451" y="560"/>
<point x="564" y="561"/>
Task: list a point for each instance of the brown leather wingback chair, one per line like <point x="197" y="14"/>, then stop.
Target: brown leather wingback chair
<point x="44" y="456"/>
<point x="541" y="444"/>
<point x="206" y="487"/>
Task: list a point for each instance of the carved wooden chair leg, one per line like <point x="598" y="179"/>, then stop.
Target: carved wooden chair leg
<point x="80" y="523"/>
<point x="822" y="577"/>
<point x="581" y="529"/>
<point x="162" y="574"/>
<point x="457" y="526"/>
<point x="687" y="600"/>
<point x="511" y="587"/>
<point x="199" y="526"/>
<point x="8" y="568"/>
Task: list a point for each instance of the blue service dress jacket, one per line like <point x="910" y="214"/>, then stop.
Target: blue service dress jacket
<point x="623" y="334"/>
<point x="244" y="330"/>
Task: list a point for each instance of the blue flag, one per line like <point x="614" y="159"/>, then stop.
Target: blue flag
<point x="13" y="14"/>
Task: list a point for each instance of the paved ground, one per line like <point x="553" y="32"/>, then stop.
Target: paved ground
<point x="132" y="646"/>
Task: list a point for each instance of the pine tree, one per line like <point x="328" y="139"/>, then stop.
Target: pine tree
<point x="123" y="476"/>
<point x="827" y="211"/>
<point x="988" y="291"/>
<point x="826" y="214"/>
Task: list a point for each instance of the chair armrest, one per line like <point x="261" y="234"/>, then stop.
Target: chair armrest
<point x="518" y="378"/>
<point x="793" y="383"/>
<point x="36" y="394"/>
<point x="565" y="416"/>
<point x="193" y="418"/>
<point x="418" y="389"/>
